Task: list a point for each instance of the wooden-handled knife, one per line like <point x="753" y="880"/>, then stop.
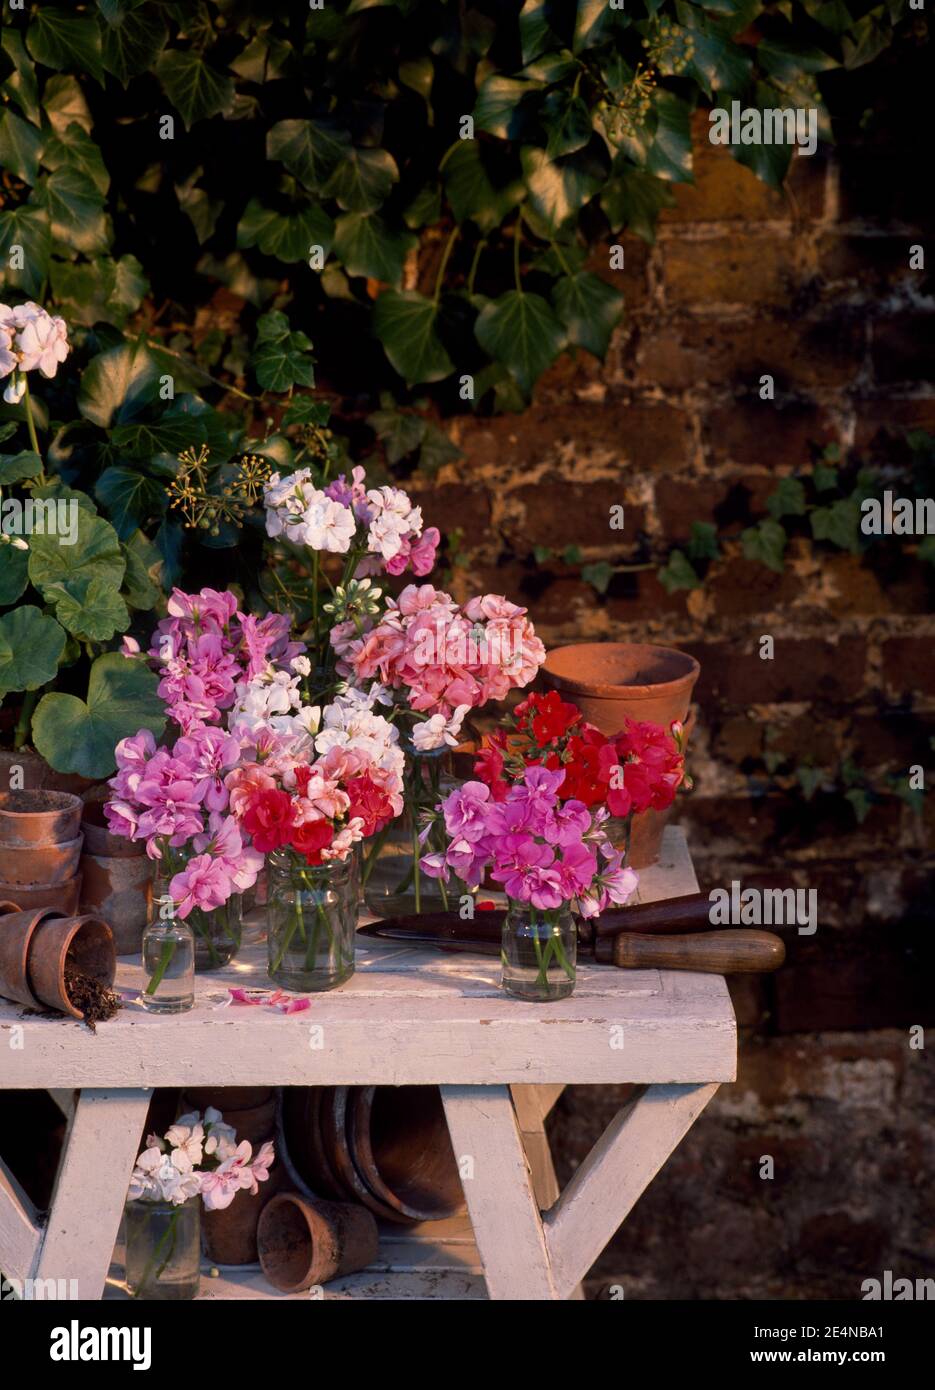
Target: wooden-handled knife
<point x="728" y="952"/>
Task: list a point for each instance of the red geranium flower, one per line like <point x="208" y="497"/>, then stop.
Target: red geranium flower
<point x="268" y="819"/>
<point x="553" y="718"/>
<point x="311" y="838"/>
<point x="370" y="802"/>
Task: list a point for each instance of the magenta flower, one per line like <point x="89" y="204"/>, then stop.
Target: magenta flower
<point x="204" y="883"/>
<point x="466" y="811"/>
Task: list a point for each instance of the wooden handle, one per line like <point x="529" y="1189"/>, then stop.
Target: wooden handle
<point x="714" y="952"/>
<point x="691" y="912"/>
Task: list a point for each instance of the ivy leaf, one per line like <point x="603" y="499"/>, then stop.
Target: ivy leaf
<point x="281" y="358"/>
<point x="825" y="478"/>
<point x="30" y="647"/>
<point x="521" y="331"/>
<point x="21" y="82"/>
<point x="437" y="449"/>
<point x="60" y="40"/>
<point x="14" y="468"/>
<point x="787" y="500"/>
<point x="129" y="498"/>
<point x="76" y="210"/>
<point x="362" y="180"/>
<point x="535" y="33"/>
<point x="839" y="524"/>
<point x="765" y="543"/>
<point x="311" y="150"/>
<point x="64" y="103"/>
<point x="20" y="146"/>
<point x="14" y="574"/>
<point x="567" y="121"/>
<point x="398" y="432"/>
<point x="305" y="410"/>
<point x="78" y="736"/>
<point x="367" y="245"/>
<point x="27" y="227"/>
<point x="558" y="188"/>
<point x="634" y="199"/>
<point x="89" y="608"/>
<point x="593" y="23"/>
<point x="702" y="543"/>
<point x="670" y="154"/>
<point x="288" y="236"/>
<point x="75" y="149"/>
<point x="679" y="573"/>
<point x="718" y="63"/>
<point x="499" y="106"/>
<point x="589" y="309"/>
<point x="474" y="187"/>
<point x="95" y="554"/>
<point x="196" y="90"/>
<point x="598" y="575"/>
<point x="118" y="382"/>
<point x="131" y="41"/>
<point x="769" y="162"/>
<point x="406" y="324"/>
<point x="866" y="39"/>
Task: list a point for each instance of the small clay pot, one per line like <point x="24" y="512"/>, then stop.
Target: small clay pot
<point x="16" y="933"/>
<point x="63" y="897"/>
<point x="97" y="838"/>
<point x="611" y="682"/>
<point x="87" y="943"/>
<point x="36" y="818"/>
<point x="255" y="1124"/>
<point x="303" y="1241"/>
<point x="117" y="890"/>
<point x="39" y="864"/>
<point x="229" y="1098"/>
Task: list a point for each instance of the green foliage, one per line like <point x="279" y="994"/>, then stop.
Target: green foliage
<point x="79" y="735"/>
<point x="319" y="154"/>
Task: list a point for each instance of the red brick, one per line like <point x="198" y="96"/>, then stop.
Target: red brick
<point x="909" y="665"/>
<point x="880" y="421"/>
<point x="449" y="506"/>
<point x="893" y="737"/>
<point x="730" y="503"/>
<point x="744" y="588"/>
<point x="803" y="669"/>
<point x="560" y="512"/>
<point x="729" y="270"/>
<point x="904" y="348"/>
<point x="753" y="432"/>
<point x="869" y="262"/>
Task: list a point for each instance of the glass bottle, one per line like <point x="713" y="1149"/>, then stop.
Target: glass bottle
<point x="216" y="932"/>
<point x="163" y="1249"/>
<point x="168" y="967"/>
<point x="539" y="952"/>
<point x="311" y="917"/>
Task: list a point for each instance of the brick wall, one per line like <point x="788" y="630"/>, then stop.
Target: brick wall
<point x="812" y="286"/>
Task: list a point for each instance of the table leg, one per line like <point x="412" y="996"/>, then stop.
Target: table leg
<point x="103" y="1140"/>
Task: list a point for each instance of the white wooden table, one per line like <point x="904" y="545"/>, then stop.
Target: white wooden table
<point x="406" y="1017"/>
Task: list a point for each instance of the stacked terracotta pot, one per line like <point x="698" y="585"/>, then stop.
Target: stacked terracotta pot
<point x="37" y="944"/>
<point x="40" y="849"/>
<point x="116" y="877"/>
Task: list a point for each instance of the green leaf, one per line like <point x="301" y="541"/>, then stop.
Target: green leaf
<point x="281" y="358"/>
<point x="20" y="146"/>
<point x="366" y="245"/>
<point x="535" y="33"/>
<point x="129" y="498"/>
<point x="559" y="188"/>
<point x="406" y="324"/>
<point x="311" y="150"/>
<point x="131" y="42"/>
<point x="860" y="799"/>
<point x="305" y="410"/>
<point x="62" y="40"/>
<point x="866" y="39"/>
<point x="196" y="90"/>
<point x="718" y="63"/>
<point x="810" y="779"/>
<point x="288" y="236"/>
<point x="765" y="543"/>
<point x="769" y="162"/>
<point x="118" y="382"/>
<point x="589" y="309"/>
<point x="477" y="188"/>
<point x="437" y="449"/>
<point x="14" y="575"/>
<point x="15" y="467"/>
<point x="21" y="82"/>
<point x="678" y="574"/>
<point x="64" y="103"/>
<point x="702" y="543"/>
<point x="76" y="210"/>
<point x="27" y="227"/>
<point x="567" y="121"/>
<point x="89" y="607"/>
<point x="593" y="24"/>
<point x="787" y="500"/>
<point x="839" y="524"/>
<point x="634" y="199"/>
<point x="75" y="149"/>
<point x="80" y="737"/>
<point x="926" y="550"/>
<point x="95" y="554"/>
<point x="363" y="179"/>
<point x="670" y="154"/>
<point x="499" y="107"/>
<point x="30" y="647"/>
<point x="598" y="575"/>
<point x="521" y="331"/>
<point x="141" y="583"/>
<point x="824" y="478"/>
<point x="398" y="432"/>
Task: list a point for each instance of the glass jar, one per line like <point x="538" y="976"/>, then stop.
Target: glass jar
<point x="540" y="947"/>
<point x="393" y="882"/>
<point x="168" y="967"/>
<point x="216" y="932"/>
<point x="311" y="921"/>
<point x="163" y="1249"/>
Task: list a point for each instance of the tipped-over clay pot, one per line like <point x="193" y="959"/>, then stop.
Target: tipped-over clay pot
<point x="303" y="1241"/>
<point x="84" y="942"/>
<point x="16" y="932"/>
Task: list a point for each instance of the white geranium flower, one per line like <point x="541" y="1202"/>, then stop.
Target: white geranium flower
<point x="436" y="732"/>
<point x="301" y="665"/>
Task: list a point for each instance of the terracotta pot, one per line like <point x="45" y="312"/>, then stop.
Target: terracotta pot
<point x="16" y="933"/>
<point x="225" y="1098"/>
<point x="37" y="818"/>
<point x="39" y="864"/>
<point x="84" y="942"/>
<point x="256" y="1123"/>
<point x="230" y="1236"/>
<point x="303" y="1241"/>
<point x="117" y="889"/>
<point x="64" y="897"/>
<point x="97" y="838"/>
<point x="300" y="1141"/>
<point x="399" y="1142"/>
<point x="611" y="682"/>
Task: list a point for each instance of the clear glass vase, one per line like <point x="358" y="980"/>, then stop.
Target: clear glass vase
<point x="311" y="921"/>
<point x="168" y="967"/>
<point x="539" y="955"/>
<point x="216" y="933"/>
<point x="393" y="882"/>
<point x="163" y="1249"/>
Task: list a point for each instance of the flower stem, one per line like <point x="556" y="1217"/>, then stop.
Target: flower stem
<point x="31" y="426"/>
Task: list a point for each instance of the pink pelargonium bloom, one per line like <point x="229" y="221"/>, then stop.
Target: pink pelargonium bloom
<point x="235" y="1174"/>
<point x="576" y="869"/>
<point x="209" y="606"/>
<point x="122" y="819"/>
<point x="224" y="842"/>
<point x="208" y="753"/>
<point x="204" y="883"/>
<point x="526" y="870"/>
<point x="467" y="811"/>
<point x="417" y="553"/>
<point x="244" y="783"/>
<point x="569" y="822"/>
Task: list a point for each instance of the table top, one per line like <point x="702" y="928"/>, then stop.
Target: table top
<point x="405" y="1017"/>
